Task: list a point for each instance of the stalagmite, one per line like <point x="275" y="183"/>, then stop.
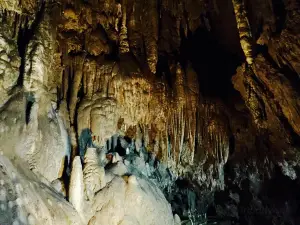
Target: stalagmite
<point x="139" y="138"/>
<point x="93" y="173"/>
<point x="76" y="188"/>
<point x="244" y="29"/>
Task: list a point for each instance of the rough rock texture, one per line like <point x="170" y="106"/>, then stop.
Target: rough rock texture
<point x="9" y="64"/>
<point x="39" y="139"/>
<point x="87" y="83"/>
<point x="118" y="194"/>
<point x="25" y="199"/>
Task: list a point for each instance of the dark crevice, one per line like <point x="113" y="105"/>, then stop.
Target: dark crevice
<point x="163" y="70"/>
<point x="70" y="74"/>
<point x="80" y="96"/>
<point x="65" y="178"/>
<point x="287" y="126"/>
<point x="214" y="65"/>
<point x="280" y="12"/>
<point x="119" y="149"/>
<point x="25" y="35"/>
<point x="231" y="145"/>
<point x="28" y="111"/>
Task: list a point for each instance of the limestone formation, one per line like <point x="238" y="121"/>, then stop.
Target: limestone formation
<point x="118" y="107"/>
<point x="21" y="190"/>
<point x="93" y="173"/>
<point x="10" y="62"/>
<point x="77" y="188"/>
<point x="244" y="29"/>
<point x="124" y="45"/>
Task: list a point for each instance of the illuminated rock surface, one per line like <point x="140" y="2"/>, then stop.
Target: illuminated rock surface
<point x="149" y="112"/>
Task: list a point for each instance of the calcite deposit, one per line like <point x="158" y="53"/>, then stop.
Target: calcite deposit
<point x="149" y="112"/>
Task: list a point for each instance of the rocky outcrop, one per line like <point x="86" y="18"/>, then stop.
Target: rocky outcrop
<point x="126" y="199"/>
<point x="21" y="193"/>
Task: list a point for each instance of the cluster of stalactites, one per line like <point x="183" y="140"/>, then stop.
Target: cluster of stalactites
<point x="173" y="127"/>
<point x="192" y="127"/>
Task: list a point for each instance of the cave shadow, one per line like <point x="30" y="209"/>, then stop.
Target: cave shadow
<point x="277" y="199"/>
<point x="213" y="64"/>
<point x="85" y="141"/>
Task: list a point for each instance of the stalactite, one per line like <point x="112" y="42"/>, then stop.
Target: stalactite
<point x="179" y="85"/>
<point x="76" y="82"/>
<point x="97" y="84"/>
<point x="184" y="25"/>
<point x="90" y="70"/>
<point x="182" y="132"/>
<point x="179" y="18"/>
<point x="150" y="28"/>
<point x="192" y="98"/>
<point x="244" y="29"/>
<point x="134" y="29"/>
<point x="124" y="45"/>
<point x="73" y="140"/>
<point x="117" y="15"/>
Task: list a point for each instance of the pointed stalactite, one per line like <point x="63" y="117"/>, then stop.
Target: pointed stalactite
<point x="73" y="140"/>
<point x="134" y="29"/>
<point x="182" y="133"/>
<point x="190" y="132"/>
<point x="179" y="18"/>
<point x="124" y="45"/>
<point x="97" y="84"/>
<point x="176" y="138"/>
<point x="150" y="28"/>
<point x="76" y="82"/>
<point x="192" y="98"/>
<point x="166" y="142"/>
<point x="65" y="83"/>
<point x="89" y="70"/>
<point x="179" y="85"/>
<point x="118" y="15"/>
<point x="102" y="81"/>
<point x="172" y="135"/>
<point x="244" y="29"/>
